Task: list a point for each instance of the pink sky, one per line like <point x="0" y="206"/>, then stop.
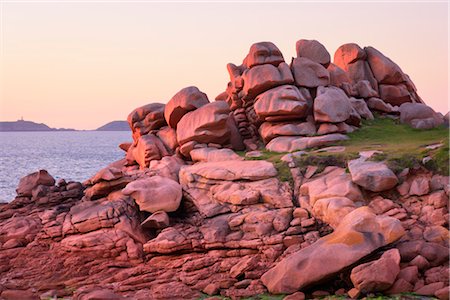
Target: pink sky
<point x="81" y="65"/>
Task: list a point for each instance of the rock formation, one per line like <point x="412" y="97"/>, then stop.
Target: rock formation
<point x="183" y="214"/>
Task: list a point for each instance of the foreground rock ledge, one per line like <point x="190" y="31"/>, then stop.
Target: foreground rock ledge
<point x="184" y="213"/>
<point x="360" y="233"/>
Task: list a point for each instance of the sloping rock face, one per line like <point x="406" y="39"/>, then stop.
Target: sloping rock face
<point x="185" y="214"/>
<point x="360" y="233"/>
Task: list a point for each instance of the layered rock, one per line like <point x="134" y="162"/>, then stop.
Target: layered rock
<point x="360" y="233"/>
<point x="146" y="118"/>
<point x="183" y="214"/>
<point x="186" y="100"/>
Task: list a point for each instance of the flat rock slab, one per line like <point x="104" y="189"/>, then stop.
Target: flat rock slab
<point x="224" y="170"/>
<point x="360" y="233"/>
<point x="290" y="143"/>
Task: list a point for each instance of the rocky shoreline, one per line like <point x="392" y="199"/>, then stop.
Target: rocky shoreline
<point x="194" y="210"/>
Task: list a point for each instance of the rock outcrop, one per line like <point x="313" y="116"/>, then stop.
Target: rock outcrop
<point x="186" y="212"/>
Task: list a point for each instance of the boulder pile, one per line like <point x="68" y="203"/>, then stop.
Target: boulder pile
<point x="184" y="214"/>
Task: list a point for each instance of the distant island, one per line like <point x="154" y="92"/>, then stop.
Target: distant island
<point x="115" y="126"/>
<point x="22" y="125"/>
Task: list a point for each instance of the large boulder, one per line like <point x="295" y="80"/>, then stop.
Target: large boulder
<point x="378" y="275"/>
<point x="186" y="100"/>
<point x="149" y="147"/>
<point x="419" y="116"/>
<point x="379" y="105"/>
<point x="361" y="108"/>
<point x="347" y="54"/>
<point x="293" y="143"/>
<point x="282" y="103"/>
<point x="313" y="50"/>
<point x="271" y="130"/>
<point x="146" y="118"/>
<point x="395" y="94"/>
<point x="155" y="193"/>
<point x="207" y="124"/>
<point x="263" y="53"/>
<point x="331" y="105"/>
<point x="338" y="77"/>
<point x="360" y="233"/>
<point x="371" y="175"/>
<point x="261" y="78"/>
<point x="29" y="182"/>
<point x="383" y="68"/>
<point x="352" y="59"/>
<point x="308" y="73"/>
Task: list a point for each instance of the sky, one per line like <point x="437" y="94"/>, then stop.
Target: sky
<point x="83" y="64"/>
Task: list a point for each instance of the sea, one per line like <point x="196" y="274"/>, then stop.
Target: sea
<point x="72" y="155"/>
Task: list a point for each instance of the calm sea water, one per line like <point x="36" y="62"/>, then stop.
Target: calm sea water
<point x="72" y="155"/>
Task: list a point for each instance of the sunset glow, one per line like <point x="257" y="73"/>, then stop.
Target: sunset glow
<point x="81" y="65"/>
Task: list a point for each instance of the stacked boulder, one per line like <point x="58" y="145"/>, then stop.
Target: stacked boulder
<point x="286" y="107"/>
<point x="183" y="214"/>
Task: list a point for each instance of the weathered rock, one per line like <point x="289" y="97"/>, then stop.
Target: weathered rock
<point x="186" y="100"/>
<point x="361" y="108"/>
<point x="313" y="50"/>
<point x="434" y="253"/>
<point x="378" y="104"/>
<point x="360" y="233"/>
<point x="29" y="182"/>
<point x="148" y="148"/>
<point x="155" y="193"/>
<point x="146" y="118"/>
<point x="246" y="170"/>
<point x="169" y="137"/>
<point x="332" y="210"/>
<point x="157" y="220"/>
<point x="384" y="69"/>
<point x="338" y="77"/>
<point x="271" y="130"/>
<point x="214" y="186"/>
<point x="308" y="73"/>
<point x="419" y="116"/>
<point x="373" y="176"/>
<point x="264" y="77"/>
<point x="282" y="103"/>
<point x="292" y="143"/>
<point x="330" y="195"/>
<point x="395" y="94"/>
<point x="377" y="275"/>
<point x="364" y="89"/>
<point x="207" y="124"/>
<point x="213" y="154"/>
<point x="263" y="53"/>
<point x="347" y="54"/>
<point x="420" y="186"/>
<point x="331" y="105"/>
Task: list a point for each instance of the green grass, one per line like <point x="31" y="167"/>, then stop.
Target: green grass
<point x="402" y="145"/>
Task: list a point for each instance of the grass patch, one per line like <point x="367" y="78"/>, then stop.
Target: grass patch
<point x="402" y="146"/>
<point x="323" y="160"/>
